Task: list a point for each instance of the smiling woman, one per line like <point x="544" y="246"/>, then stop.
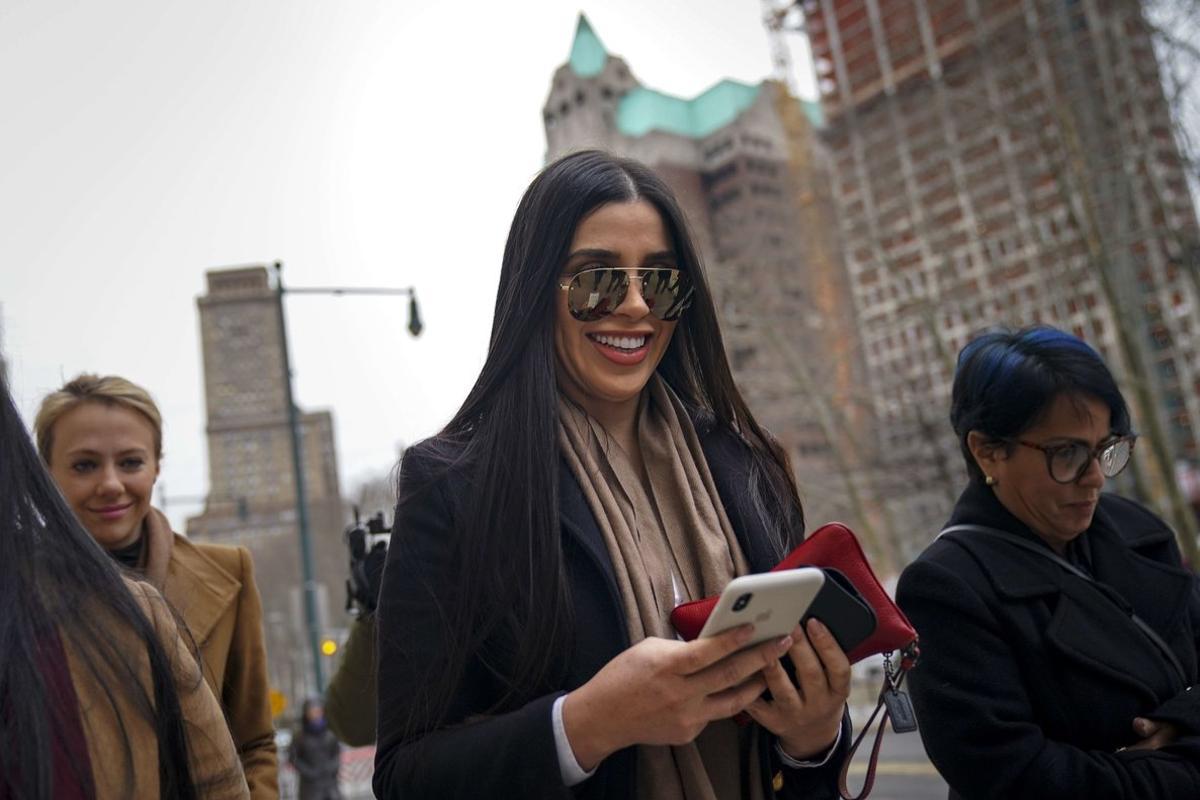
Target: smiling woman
<point x="105" y="460"/>
<point x="603" y="469"/>
<point x="101" y="437"/>
<point x="99" y="697"/>
<point x="607" y="357"/>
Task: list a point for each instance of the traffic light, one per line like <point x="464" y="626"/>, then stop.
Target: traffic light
<point x="278" y="702"/>
<point x="329" y="647"/>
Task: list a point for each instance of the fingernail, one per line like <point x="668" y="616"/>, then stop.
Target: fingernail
<point x="817" y="627"/>
<point x="785" y="642"/>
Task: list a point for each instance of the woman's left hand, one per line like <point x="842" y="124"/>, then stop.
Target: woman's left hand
<point x="806" y="715"/>
<point x="1154" y="734"/>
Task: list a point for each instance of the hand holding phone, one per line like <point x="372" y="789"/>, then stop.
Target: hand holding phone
<point x="775" y="602"/>
<point x="771" y="601"/>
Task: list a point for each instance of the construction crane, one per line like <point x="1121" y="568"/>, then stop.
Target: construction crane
<point x="781" y="18"/>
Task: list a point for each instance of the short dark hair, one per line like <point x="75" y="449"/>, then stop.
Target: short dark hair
<point x="1006" y="380"/>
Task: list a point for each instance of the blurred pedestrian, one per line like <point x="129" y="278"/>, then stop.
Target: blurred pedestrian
<point x="99" y="695"/>
<point x="316" y="755"/>
<point x="1060" y="633"/>
<point x="102" y="440"/>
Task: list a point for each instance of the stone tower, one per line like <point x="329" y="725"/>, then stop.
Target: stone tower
<point x="251" y="499"/>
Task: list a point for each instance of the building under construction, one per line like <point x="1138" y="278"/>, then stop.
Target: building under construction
<point x="1008" y="162"/>
<point x="753" y="179"/>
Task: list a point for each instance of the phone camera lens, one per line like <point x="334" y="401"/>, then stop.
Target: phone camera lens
<point x="742" y="601"/>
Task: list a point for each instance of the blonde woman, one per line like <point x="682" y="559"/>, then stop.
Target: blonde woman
<point x="100" y="698"/>
<point x="101" y="437"/>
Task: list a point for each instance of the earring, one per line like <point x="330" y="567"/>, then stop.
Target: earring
<point x="990" y="481"/>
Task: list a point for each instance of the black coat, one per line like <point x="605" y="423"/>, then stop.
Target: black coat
<point x="316" y="756"/>
<point x="1030" y="679"/>
<point x="513" y="754"/>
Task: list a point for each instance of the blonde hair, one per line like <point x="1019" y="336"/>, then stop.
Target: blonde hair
<point x="108" y="390"/>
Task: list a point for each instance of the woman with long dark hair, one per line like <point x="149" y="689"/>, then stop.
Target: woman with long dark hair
<point x="603" y="469"/>
<point x="99" y="696"/>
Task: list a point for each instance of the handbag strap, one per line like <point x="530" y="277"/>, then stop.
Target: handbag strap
<point x="1025" y="544"/>
<point x="873" y="761"/>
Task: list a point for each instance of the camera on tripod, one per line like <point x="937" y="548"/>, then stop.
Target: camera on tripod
<point x="368" y="546"/>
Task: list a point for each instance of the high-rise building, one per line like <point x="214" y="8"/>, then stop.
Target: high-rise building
<point x="753" y="180"/>
<point x="251" y="498"/>
<point x="1007" y="161"/>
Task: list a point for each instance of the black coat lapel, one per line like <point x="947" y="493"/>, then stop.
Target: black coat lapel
<point x="1158" y="592"/>
<point x="729" y="462"/>
<point x="579" y="523"/>
<point x="1086" y="627"/>
<point x="1096" y="635"/>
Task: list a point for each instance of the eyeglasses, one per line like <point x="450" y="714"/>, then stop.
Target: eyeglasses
<point x="596" y="292"/>
<point x="1068" y="462"/>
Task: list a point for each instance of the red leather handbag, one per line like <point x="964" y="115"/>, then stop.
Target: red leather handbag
<point x="835" y="546"/>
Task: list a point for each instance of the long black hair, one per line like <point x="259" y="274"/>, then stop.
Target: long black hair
<point x="55" y="581"/>
<point x="504" y="437"/>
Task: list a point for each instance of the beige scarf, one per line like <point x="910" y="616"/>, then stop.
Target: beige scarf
<point x="670" y="541"/>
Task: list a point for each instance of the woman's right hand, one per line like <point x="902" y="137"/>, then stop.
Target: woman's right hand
<point x="663" y="691"/>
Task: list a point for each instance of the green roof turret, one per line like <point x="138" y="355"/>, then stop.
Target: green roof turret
<point x="587" y="52"/>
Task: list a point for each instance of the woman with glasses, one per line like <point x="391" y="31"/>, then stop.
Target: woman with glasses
<point x="603" y="469"/>
<point x="1059" y="628"/>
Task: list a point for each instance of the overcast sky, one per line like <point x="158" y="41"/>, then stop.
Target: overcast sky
<point x="361" y="143"/>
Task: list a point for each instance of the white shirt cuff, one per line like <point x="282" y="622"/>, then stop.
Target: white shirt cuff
<point x="572" y="773"/>
<point x="793" y="763"/>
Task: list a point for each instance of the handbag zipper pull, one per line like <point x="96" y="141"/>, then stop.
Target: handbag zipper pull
<point x="899" y="706"/>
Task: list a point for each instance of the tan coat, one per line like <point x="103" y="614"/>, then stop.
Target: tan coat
<point x="120" y="774"/>
<point x="211" y="587"/>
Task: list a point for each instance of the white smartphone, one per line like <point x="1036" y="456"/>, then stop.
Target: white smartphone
<point x="774" y="602"/>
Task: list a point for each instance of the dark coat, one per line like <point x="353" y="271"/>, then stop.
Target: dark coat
<point x="350" y="695"/>
<point x="513" y="754"/>
<point x="1030" y="679"/>
<point x="317" y="757"/>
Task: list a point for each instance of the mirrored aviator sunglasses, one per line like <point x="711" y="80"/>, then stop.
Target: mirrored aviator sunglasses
<point x="593" y="294"/>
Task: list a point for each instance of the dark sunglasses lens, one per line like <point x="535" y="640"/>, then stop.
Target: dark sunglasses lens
<point x="1114" y="457"/>
<point x="596" y="293"/>
<point x="667" y="293"/>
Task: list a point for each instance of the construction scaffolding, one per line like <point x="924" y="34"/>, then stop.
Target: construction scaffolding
<point x="1009" y="162"/>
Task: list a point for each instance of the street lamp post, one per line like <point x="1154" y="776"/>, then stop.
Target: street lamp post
<point x="306" y="557"/>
